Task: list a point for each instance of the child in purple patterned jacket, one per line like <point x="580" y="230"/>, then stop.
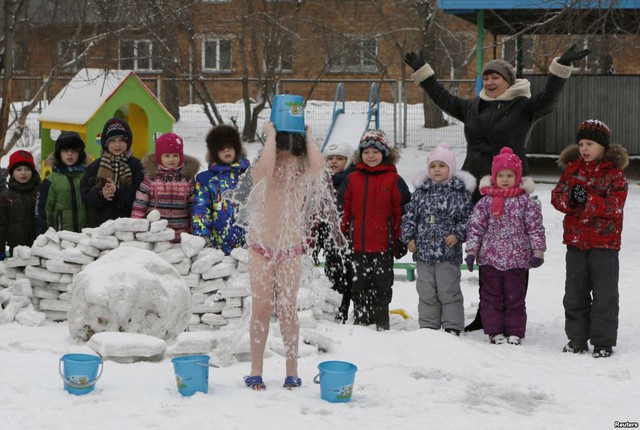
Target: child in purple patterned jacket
<point x="507" y="236"/>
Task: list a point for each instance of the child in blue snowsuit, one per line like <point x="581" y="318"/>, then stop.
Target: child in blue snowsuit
<point x="434" y="227"/>
<point x="214" y="217"/>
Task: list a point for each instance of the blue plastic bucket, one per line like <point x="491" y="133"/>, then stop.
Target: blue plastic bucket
<point x="192" y="374"/>
<point x="80" y="372"/>
<point x="336" y="380"/>
<point x="287" y="113"/>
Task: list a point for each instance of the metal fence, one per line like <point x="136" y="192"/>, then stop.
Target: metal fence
<point x="612" y="99"/>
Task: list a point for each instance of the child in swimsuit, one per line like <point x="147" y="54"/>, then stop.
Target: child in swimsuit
<point x="283" y="178"/>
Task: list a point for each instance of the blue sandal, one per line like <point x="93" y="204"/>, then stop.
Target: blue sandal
<point x="255" y="383"/>
<point x="292" y="382"/>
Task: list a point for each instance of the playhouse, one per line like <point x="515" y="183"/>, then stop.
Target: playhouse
<point x="95" y="95"/>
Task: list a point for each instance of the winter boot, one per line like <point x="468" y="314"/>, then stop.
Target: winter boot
<point x="576" y="347"/>
<point x="602" y="351"/>
<point x="497" y="339"/>
<point x="452" y="331"/>
<point x="513" y="340"/>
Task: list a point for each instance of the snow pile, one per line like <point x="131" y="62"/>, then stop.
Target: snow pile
<point x="129" y="290"/>
<point x="37" y="282"/>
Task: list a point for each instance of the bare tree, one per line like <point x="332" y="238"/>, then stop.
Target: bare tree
<point x="16" y="16"/>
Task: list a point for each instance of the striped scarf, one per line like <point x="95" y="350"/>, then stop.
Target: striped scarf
<point x="115" y="167"/>
<point x="499" y="194"/>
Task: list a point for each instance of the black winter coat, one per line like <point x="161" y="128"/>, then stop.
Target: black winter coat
<point x="100" y="209"/>
<point x="492" y="124"/>
<point x="18" y="213"/>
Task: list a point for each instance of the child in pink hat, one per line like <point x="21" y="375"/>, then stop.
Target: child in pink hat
<point x="434" y="227"/>
<point x="507" y="237"/>
<point x="168" y="184"/>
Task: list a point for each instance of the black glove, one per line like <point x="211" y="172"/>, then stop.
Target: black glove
<point x="571" y="56"/>
<point x="578" y="196"/>
<point x="399" y="250"/>
<point x="415" y="61"/>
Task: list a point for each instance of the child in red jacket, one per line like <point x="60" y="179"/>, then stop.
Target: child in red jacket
<point x="372" y="200"/>
<point x="591" y="193"/>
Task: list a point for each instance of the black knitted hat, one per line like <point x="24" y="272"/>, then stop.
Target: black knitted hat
<point x="596" y="130"/>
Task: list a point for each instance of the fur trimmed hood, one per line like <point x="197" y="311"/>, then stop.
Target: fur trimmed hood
<point x="467" y="179"/>
<point x="616" y="154"/>
<point x="527" y="183"/>
<point x="50" y="161"/>
<point x="190" y="166"/>
<point x="393" y="158"/>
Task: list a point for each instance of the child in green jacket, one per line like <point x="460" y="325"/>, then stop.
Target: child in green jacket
<point x="60" y="204"/>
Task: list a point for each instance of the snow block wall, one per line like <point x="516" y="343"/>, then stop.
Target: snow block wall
<point x="37" y="283"/>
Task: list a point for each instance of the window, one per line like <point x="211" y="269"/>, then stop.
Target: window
<point x="509" y="52"/>
<point x="72" y="53"/>
<point x="216" y="54"/>
<point x="353" y="55"/>
<point x="137" y="55"/>
<point x="282" y="58"/>
<point x="20" y="56"/>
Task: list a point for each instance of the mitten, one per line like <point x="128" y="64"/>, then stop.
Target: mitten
<point x="570" y="55"/>
<point x="536" y="262"/>
<point x="470" y="260"/>
<point x="415" y="61"/>
<point x="3" y="256"/>
<point x="399" y="250"/>
<point x="578" y="195"/>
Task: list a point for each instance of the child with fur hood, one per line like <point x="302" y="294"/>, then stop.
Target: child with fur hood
<point x="214" y="217"/>
<point x="168" y="184"/>
<point x="434" y="227"/>
<point x="372" y="200"/>
<point x="507" y="237"/>
<point x="60" y="202"/>
<point x="591" y="193"/>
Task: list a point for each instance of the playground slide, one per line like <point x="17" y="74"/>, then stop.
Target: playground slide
<point x="348" y="128"/>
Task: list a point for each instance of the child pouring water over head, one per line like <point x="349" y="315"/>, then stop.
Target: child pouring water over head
<point x="285" y="179"/>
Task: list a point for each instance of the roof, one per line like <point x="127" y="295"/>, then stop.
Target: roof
<point x="584" y="16"/>
<point x="83" y="96"/>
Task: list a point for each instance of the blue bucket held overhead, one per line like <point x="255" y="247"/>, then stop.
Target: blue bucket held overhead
<point x="287" y="113"/>
<point x="80" y="372"/>
<point x="192" y="374"/>
<point x="336" y="380"/>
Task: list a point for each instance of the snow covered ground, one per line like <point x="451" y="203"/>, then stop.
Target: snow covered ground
<point x="407" y="378"/>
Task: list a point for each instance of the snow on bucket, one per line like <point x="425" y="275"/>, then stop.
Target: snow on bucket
<point x="287" y="113"/>
<point x="336" y="380"/>
<point x="192" y="374"/>
<point x="80" y="372"/>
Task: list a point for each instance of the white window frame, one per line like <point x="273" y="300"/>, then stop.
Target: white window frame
<point x="136" y="60"/>
<point x="527" y="59"/>
<point x="217" y="39"/>
<point x="363" y="66"/>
